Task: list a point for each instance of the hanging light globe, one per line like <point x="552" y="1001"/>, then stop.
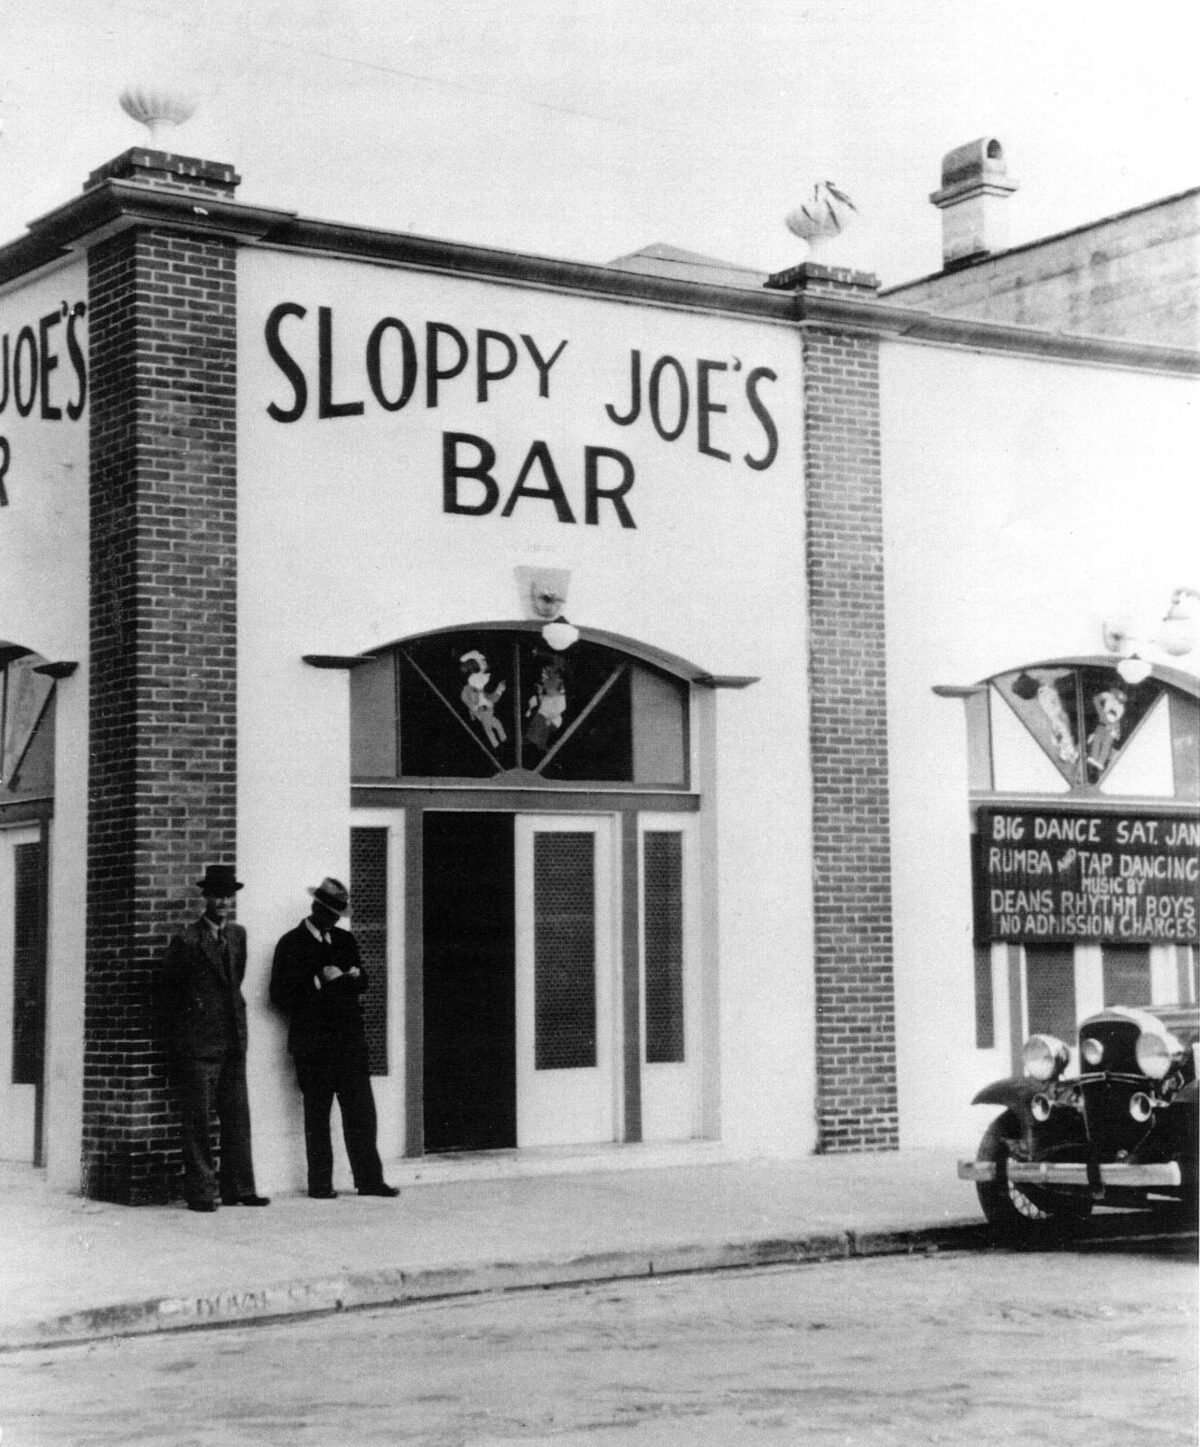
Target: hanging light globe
<point x="560" y="634"/>
<point x="1134" y="669"/>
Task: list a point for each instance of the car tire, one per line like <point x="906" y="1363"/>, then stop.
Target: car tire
<point x="1023" y="1215"/>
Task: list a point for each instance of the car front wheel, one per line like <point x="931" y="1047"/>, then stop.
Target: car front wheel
<point x="1022" y="1215"/>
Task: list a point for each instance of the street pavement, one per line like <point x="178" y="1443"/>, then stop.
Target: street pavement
<point x="74" y="1270"/>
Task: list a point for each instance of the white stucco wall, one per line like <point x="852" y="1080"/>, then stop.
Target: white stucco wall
<point x="44" y="607"/>
<point x="1025" y="502"/>
<point x="344" y="545"/>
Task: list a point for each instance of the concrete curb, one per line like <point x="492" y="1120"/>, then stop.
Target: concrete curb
<point x="400" y="1286"/>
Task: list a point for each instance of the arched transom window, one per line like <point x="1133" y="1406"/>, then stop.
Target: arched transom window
<point x="500" y="704"/>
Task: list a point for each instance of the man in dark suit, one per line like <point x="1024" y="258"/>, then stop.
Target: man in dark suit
<point x="206" y="1024"/>
<point x="318" y="981"/>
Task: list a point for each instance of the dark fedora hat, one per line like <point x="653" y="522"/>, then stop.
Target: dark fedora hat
<point x="220" y="881"/>
<point x="332" y="893"/>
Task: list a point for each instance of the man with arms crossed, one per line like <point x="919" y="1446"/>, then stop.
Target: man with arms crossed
<point x="318" y="981"/>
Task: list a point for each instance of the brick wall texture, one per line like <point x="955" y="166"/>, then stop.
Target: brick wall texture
<point x="163" y="766"/>
<point x="856" y="1026"/>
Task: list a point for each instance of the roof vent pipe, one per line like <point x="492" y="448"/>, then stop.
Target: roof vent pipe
<point x="975" y="186"/>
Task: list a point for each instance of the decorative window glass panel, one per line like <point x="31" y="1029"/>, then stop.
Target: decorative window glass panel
<point x="1185" y="745"/>
<point x="659" y="728"/>
<point x="501" y="704"/>
<point x="1081" y="716"/>
<point x="373" y="719"/>
<point x="26" y="760"/>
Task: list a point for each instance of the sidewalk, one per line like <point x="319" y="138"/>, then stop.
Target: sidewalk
<point x="71" y="1269"/>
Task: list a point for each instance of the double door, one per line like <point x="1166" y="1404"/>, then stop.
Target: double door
<point x="519" y="980"/>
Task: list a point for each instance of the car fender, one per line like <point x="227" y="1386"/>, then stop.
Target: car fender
<point x="1014" y="1094"/>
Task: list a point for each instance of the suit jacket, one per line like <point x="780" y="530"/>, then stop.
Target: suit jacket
<point x="324" y="1015"/>
<point x="202" y="998"/>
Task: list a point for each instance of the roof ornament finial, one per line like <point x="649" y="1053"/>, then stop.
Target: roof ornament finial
<point x="159" y="108"/>
<point x="823" y="217"/>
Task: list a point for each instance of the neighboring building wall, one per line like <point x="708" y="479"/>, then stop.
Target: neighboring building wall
<point x="1136" y="275"/>
<point x="44" y="608"/>
<point x="1025" y="501"/>
<point x="163" y="767"/>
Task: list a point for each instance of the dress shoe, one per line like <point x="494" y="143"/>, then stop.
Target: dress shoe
<point x="251" y="1201"/>
<point x="382" y="1189"/>
<point x="202" y="1205"/>
<point x="327" y="1195"/>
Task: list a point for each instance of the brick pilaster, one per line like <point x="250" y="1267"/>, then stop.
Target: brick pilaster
<point x="852" y="896"/>
<point x="162" y="777"/>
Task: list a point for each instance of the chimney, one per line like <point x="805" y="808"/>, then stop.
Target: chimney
<point x="975" y="187"/>
<point x="163" y="170"/>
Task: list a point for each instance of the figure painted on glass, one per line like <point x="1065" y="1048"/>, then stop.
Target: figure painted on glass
<point x="479" y="698"/>
<point x="1049" y="700"/>
<point x="546" y="706"/>
<point x="1105" y="739"/>
<point x="1051" y="704"/>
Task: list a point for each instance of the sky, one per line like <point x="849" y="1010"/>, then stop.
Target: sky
<point x="589" y="130"/>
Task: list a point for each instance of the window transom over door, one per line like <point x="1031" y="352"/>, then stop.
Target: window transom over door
<point x="567" y="959"/>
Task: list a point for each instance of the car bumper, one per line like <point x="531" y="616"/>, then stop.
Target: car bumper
<point x="1160" y="1175"/>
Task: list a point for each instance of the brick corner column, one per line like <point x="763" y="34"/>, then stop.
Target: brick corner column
<point x="852" y="892"/>
<point x="163" y="690"/>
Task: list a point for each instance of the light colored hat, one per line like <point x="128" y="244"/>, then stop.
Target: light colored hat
<point x="332" y="893"/>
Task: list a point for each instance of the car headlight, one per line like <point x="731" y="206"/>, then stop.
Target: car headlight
<point x="1092" y="1049"/>
<point x="1156" y="1053"/>
<point x="1044" y="1057"/>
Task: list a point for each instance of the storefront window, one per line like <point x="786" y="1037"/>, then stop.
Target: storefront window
<point x="489" y="703"/>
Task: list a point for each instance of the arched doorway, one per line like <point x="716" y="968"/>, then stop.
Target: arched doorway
<point x="547" y="859"/>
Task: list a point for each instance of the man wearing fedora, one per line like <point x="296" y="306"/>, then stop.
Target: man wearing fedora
<point x="206" y="1023"/>
<point x="318" y="981"/>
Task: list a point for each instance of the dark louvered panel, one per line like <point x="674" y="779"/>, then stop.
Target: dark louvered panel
<point x="564" y="964"/>
<point x="1050" y="989"/>
<point x="29" y="965"/>
<point x="369" y="920"/>
<point x="663" y="915"/>
<point x="1126" y="974"/>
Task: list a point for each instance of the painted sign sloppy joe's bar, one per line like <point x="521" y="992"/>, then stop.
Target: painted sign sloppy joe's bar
<point x="547" y="605"/>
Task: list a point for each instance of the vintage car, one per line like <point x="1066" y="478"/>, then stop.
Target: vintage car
<point x="1113" y="1123"/>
